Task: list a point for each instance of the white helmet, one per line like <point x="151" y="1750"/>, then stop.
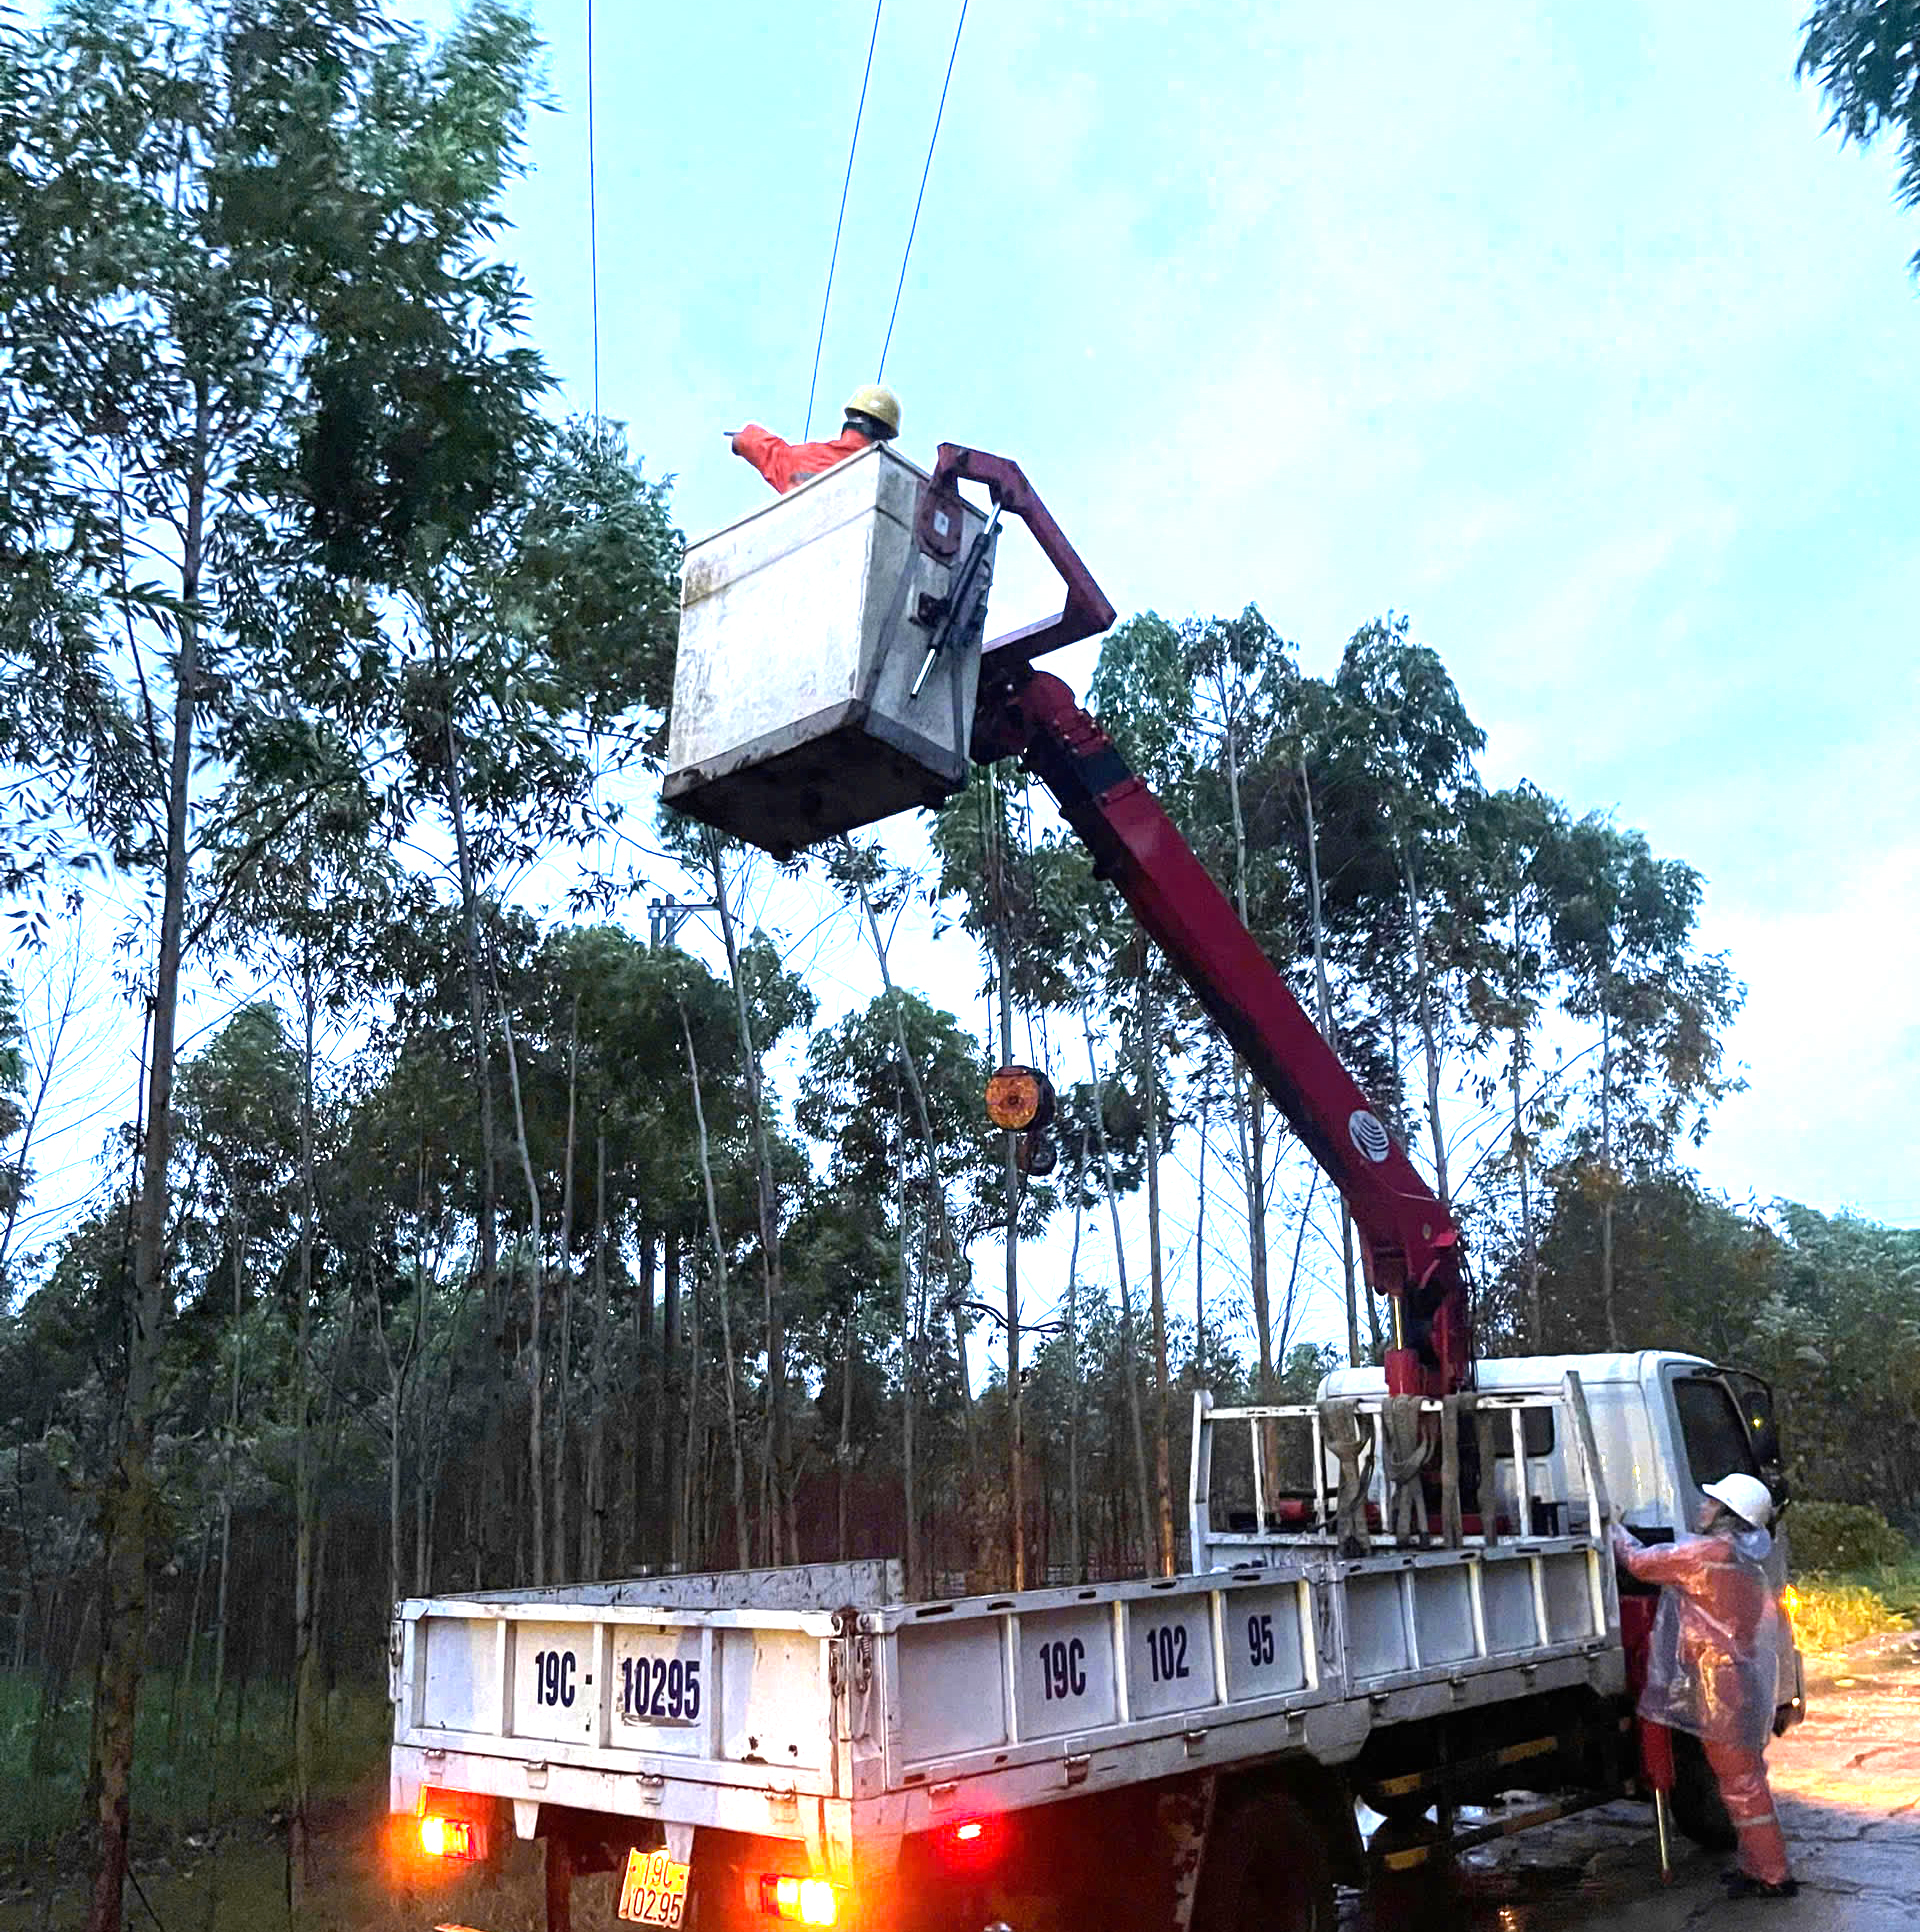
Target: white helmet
<point x="1746" y="1496"/>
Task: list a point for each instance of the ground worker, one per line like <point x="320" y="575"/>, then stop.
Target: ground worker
<point x="872" y="416"/>
<point x="1713" y="1665"/>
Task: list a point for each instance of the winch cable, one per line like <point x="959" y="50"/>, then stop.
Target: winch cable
<point x="907" y="252"/>
<point x="853" y="148"/>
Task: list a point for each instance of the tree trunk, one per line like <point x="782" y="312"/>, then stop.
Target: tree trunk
<point x="183" y="1683"/>
<point x="565" y="1376"/>
<point x="227" y="1452"/>
<point x="1131" y="1379"/>
<point x="305" y="1554"/>
<point x="1162" y="1447"/>
<point x="936" y="1185"/>
<point x="476" y="1020"/>
<point x="536" y="1338"/>
<point x="128" y="1505"/>
<point x="1249" y="1101"/>
<point x="673" y="1388"/>
<point x="593" y="1518"/>
<point x="1606" y="1178"/>
<point x="1010" y="1171"/>
<point x="1249" y="1123"/>
<point x="423" y="1494"/>
<point x="1429" y="1029"/>
<point x="1200" y="1242"/>
<point x="772" y="1285"/>
<point x="1329" y="1033"/>
<point x="1076" y="1548"/>
<point x="1373" y="1306"/>
<point x="909" y="1369"/>
<point x="691" y="1539"/>
<point x="1523" y="1158"/>
<point x="741" y="1544"/>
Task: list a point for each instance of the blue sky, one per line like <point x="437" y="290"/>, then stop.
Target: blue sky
<point x="1564" y="328"/>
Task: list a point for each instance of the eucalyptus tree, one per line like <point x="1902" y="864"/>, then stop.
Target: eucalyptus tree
<point x="240" y="1120"/>
<point x="237" y="244"/>
<point x="1866" y="56"/>
<point x="1417" y="746"/>
<point x="859" y="1100"/>
<point x="1019" y="908"/>
<point x="1195" y="705"/>
<point x="1623" y="929"/>
<point x="1504" y="954"/>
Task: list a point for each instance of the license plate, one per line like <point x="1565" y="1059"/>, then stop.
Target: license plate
<point x="654" y="1891"/>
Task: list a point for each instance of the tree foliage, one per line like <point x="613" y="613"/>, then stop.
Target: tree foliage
<point x="1865" y="55"/>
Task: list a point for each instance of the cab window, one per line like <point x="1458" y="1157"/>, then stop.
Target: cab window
<point x="1711" y="1428"/>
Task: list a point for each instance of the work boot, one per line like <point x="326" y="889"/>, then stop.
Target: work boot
<point x="1743" y="1885"/>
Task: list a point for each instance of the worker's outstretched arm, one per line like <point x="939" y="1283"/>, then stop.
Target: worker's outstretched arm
<point x="1678" y="1562"/>
<point x="771" y="455"/>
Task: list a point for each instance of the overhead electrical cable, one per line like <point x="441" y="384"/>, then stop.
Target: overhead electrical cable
<point x="853" y="148"/>
<point x="593" y="231"/>
<point x="907" y="252"/>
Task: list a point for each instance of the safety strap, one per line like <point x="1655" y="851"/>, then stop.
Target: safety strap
<point x="1351" y="1446"/>
<point x="1409" y="1450"/>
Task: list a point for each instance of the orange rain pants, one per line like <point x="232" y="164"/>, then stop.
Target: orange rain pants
<point x="784" y="464"/>
<point x="1749" y="1801"/>
<point x="1712" y="1671"/>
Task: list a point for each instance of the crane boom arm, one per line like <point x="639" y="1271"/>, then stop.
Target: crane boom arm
<point x="1410" y="1242"/>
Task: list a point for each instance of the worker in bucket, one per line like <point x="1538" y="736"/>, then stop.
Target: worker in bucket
<point x="1713" y="1663"/>
<point x="872" y="416"/>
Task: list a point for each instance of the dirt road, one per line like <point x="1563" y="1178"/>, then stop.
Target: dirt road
<point x="1847" y="1783"/>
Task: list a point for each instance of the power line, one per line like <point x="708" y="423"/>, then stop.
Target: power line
<point x="922" y="195"/>
<point x="853" y="148"/>
<point x="593" y="230"/>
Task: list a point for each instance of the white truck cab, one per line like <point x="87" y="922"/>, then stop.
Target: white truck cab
<point x="1664" y="1424"/>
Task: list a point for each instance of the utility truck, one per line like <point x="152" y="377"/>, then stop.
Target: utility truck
<point x="1400" y="1596"/>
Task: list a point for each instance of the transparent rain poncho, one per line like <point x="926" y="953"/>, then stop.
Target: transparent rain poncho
<point x="1714" y="1659"/>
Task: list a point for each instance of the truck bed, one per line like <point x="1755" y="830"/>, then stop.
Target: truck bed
<point x="813" y="1704"/>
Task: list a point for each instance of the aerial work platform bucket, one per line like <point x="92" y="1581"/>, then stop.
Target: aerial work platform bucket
<point x="804" y="628"/>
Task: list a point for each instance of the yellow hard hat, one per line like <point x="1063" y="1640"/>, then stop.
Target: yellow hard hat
<point x="875" y="400"/>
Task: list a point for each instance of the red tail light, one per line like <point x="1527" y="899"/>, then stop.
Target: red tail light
<point x="972" y="1844"/>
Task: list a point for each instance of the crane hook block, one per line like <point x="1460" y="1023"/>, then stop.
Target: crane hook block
<point x="1020" y="1099"/>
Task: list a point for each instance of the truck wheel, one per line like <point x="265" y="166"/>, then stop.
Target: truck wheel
<point x="1426" y="1894"/>
<point x="1265" y="1870"/>
<point x="1698" y="1808"/>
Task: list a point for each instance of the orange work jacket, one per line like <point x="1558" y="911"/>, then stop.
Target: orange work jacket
<point x="784" y="464"/>
<point x="1714" y="1658"/>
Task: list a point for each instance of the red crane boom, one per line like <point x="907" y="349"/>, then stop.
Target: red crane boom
<point x="1410" y="1243"/>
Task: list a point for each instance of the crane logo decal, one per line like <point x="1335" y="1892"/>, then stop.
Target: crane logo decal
<point x="1367" y="1134"/>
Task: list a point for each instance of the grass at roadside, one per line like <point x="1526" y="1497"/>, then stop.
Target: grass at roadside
<point x="1832" y="1611"/>
<point x="190" y="1770"/>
